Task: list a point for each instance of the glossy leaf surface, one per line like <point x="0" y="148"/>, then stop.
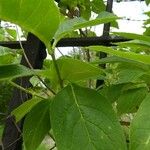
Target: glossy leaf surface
<point x="82" y="119"/>
<point x="38" y="17"/>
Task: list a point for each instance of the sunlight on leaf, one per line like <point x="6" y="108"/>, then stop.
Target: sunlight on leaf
<point x="38" y="17"/>
<point x="128" y="55"/>
<point x="77" y="23"/>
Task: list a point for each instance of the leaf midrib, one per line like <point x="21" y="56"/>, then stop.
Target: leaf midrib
<point x="78" y="107"/>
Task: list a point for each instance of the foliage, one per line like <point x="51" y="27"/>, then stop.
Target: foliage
<point x="5" y="96"/>
<point x="72" y="111"/>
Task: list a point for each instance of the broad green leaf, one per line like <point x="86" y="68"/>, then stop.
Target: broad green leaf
<point x="133" y="36"/>
<point x="123" y="61"/>
<point x="140" y="127"/>
<point x="130" y="100"/>
<point x="147" y="31"/>
<point x="7" y="56"/>
<point x="146" y="78"/>
<point x="69" y="3"/>
<point x="135" y="43"/>
<point x="2" y="34"/>
<point x="112" y="59"/>
<point x="128" y="75"/>
<point x="128" y="55"/>
<point x="147" y="22"/>
<point x="130" y="72"/>
<point x="98" y="6"/>
<point x="147" y="2"/>
<point x="75" y="70"/>
<point x="147" y="13"/>
<point x="5" y="50"/>
<point x="12" y="33"/>
<point x="112" y="93"/>
<point x="72" y="70"/>
<point x="77" y="23"/>
<point x="8" y="72"/>
<point x="23" y="109"/>
<point x="131" y="86"/>
<point x="83" y="119"/>
<point x="36" y="125"/>
<point x="6" y="59"/>
<point x="38" y="17"/>
<point x="85" y="9"/>
<point x="103" y="17"/>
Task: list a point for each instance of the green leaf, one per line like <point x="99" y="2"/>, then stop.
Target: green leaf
<point x="129" y="72"/>
<point x="2" y="34"/>
<point x="12" y="33"/>
<point x="7" y="56"/>
<point x="72" y="70"/>
<point x="36" y="125"/>
<point x="123" y="63"/>
<point x="82" y="119"/>
<point x="8" y="72"/>
<point x="111" y="59"/>
<point x="6" y="59"/>
<point x="77" y="23"/>
<point x="23" y="109"/>
<point x="5" y="50"/>
<point x="140" y="127"/>
<point x="98" y="6"/>
<point x="147" y="2"/>
<point x="104" y="17"/>
<point x="147" y="31"/>
<point x="112" y="93"/>
<point x="133" y="36"/>
<point x="75" y="70"/>
<point x="40" y="18"/>
<point x="134" y="44"/>
<point x="128" y="55"/>
<point x="130" y="100"/>
<point x="85" y="9"/>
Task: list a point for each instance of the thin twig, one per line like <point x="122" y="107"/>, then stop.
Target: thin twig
<point x="3" y="114"/>
<point x="13" y="143"/>
<point x="31" y="67"/>
<point x="25" y="90"/>
<point x="57" y="70"/>
<point x="53" y="92"/>
<point x="60" y="51"/>
<point x="17" y="127"/>
<point x="87" y="54"/>
<point x="2" y="145"/>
